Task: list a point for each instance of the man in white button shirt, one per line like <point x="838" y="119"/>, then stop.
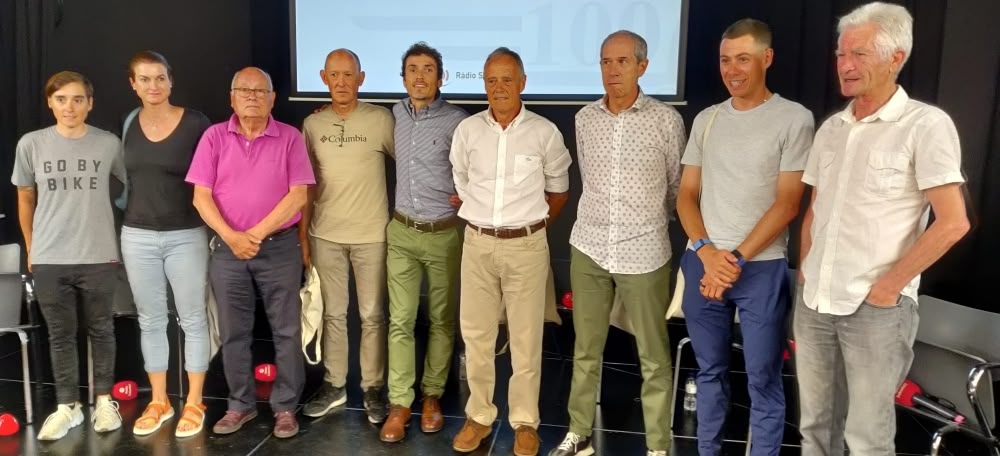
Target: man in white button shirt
<point x="875" y="166"/>
<point x="511" y="174"/>
<point x="629" y="150"/>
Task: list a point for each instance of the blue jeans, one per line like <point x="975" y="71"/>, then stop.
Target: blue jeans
<point x="761" y="298"/>
<point x="152" y="260"/>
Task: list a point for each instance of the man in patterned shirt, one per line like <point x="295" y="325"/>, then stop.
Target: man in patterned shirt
<point x="629" y="148"/>
<point x="423" y="236"/>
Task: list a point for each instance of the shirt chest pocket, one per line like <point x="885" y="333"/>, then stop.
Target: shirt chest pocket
<point x="889" y="173"/>
<point x="526" y="168"/>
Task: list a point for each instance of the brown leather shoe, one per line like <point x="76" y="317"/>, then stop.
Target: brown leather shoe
<point x="285" y="425"/>
<point x="233" y="421"/>
<point x="431" y="419"/>
<point x="395" y="425"/>
<point x="525" y="441"/>
<point x="470" y="437"/>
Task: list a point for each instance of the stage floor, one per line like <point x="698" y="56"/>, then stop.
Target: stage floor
<point x="346" y="431"/>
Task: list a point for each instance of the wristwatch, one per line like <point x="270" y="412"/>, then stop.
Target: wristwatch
<point x="700" y="243"/>
<point x="739" y="258"/>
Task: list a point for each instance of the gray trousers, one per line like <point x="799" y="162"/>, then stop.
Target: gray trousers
<point x="277" y="273"/>
<point x="848" y="369"/>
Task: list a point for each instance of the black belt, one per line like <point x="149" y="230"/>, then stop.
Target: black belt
<point x="283" y="231"/>
<point x="425" y="227"/>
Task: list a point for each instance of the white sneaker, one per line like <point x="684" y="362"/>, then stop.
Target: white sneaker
<point x="656" y="453"/>
<point x="61" y="421"/>
<point x="106" y="417"/>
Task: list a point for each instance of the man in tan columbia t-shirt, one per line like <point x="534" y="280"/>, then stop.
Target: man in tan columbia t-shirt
<point x="346" y="220"/>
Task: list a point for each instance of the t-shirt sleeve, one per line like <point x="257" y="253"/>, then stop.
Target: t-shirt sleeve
<point x="310" y="147"/>
<point x="118" y="163"/>
<point x="203" y="166"/>
<point x="24" y="168"/>
<point x="938" y="154"/>
<point x="389" y="141"/>
<point x="692" y="153"/>
<point x="300" y="171"/>
<point x="797" y="141"/>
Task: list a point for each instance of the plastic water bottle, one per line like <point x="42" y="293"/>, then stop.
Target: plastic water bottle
<point x="690" y="391"/>
<point x="461" y="367"/>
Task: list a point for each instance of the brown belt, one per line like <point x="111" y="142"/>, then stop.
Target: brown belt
<point x="509" y="233"/>
<point x="425" y="227"/>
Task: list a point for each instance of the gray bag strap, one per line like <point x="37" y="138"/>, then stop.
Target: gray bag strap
<point x="708" y="127"/>
<point x="128" y="122"/>
<point x="122" y="201"/>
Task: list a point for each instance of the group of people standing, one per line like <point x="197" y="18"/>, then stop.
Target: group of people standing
<point x="474" y="195"/>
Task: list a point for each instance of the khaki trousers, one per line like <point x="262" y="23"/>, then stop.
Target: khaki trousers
<point x="333" y="261"/>
<point x="499" y="275"/>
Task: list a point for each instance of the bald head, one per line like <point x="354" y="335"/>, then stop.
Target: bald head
<point x="344" y="53"/>
<point x="252" y="72"/>
<point x="343" y="76"/>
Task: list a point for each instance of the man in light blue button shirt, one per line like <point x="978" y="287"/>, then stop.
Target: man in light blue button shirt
<point x="423" y="236"/>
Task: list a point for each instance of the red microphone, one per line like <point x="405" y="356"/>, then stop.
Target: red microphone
<point x="567" y="300"/>
<point x="909" y="394"/>
<point x="125" y="390"/>
<point x="8" y="425"/>
<point x="266" y="372"/>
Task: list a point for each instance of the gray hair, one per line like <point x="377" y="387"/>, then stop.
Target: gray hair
<point x="357" y="60"/>
<point x="894" y="24"/>
<point x="503" y="51"/>
<point x="270" y="85"/>
<point x="640" y="43"/>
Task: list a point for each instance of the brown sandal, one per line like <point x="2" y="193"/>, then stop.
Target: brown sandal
<point x="193" y="414"/>
<point x="157" y="412"/>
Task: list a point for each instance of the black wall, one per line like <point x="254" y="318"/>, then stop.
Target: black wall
<point x="955" y="64"/>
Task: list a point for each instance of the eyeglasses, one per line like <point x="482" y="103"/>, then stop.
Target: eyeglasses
<point x="244" y="92"/>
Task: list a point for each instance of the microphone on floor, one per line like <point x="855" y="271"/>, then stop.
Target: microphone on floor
<point x="125" y="390"/>
<point x="909" y="394"/>
<point x="266" y="372"/>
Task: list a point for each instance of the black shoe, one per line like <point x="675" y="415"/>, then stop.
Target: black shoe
<point x="375" y="405"/>
<point x="328" y="398"/>
<point x="573" y="445"/>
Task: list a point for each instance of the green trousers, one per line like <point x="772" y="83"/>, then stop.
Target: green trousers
<point x="411" y="254"/>
<point x="645" y="298"/>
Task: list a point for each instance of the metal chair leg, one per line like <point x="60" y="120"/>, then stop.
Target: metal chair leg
<point x="180" y="360"/>
<point x="90" y="371"/>
<point x="26" y="377"/>
<point x="677" y="376"/>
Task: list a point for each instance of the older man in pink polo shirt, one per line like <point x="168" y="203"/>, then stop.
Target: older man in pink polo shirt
<point x="250" y="176"/>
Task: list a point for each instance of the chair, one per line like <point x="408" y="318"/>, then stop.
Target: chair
<point x="11" y="293"/>
<point x="955" y="355"/>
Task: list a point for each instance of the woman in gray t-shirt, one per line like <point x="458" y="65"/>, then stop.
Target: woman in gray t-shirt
<point x="62" y="174"/>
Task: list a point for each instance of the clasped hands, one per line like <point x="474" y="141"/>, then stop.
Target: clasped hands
<point x="721" y="272"/>
<point x="244" y="244"/>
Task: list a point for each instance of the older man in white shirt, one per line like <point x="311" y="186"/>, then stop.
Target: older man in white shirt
<point x="875" y="166"/>
<point x="511" y="174"/>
